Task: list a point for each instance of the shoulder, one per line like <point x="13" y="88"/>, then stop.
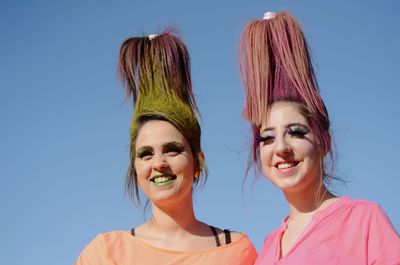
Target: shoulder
<point x="368" y="213"/>
<point x="348" y="206"/>
<point x="109" y="237"/>
<point x="113" y="240"/>
<point x="242" y="245"/>
<point x="362" y="203"/>
<point x="382" y="239"/>
<point x="242" y="238"/>
<point x="226" y="235"/>
<point x="366" y="208"/>
<point x="105" y="241"/>
<point x="237" y="236"/>
<point x="97" y="250"/>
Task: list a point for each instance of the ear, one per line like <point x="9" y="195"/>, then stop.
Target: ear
<point x="197" y="174"/>
<point x="200" y="162"/>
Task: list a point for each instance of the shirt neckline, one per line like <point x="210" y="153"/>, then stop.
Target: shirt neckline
<point x="200" y="251"/>
<point x="314" y="219"/>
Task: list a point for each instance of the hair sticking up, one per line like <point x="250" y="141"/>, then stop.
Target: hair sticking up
<point x="275" y="65"/>
<point x="155" y="71"/>
<point x="156" y="62"/>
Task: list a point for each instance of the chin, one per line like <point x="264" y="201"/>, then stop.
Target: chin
<point x="288" y="183"/>
<point x="170" y="197"/>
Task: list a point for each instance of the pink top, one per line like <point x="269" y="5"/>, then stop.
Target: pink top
<point x="121" y="248"/>
<point x="348" y="232"/>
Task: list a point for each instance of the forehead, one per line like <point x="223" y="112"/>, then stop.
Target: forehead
<point x="158" y="132"/>
<point x="283" y="113"/>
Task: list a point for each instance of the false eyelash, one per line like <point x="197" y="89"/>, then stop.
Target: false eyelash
<point x="298" y="131"/>
<point x="174" y="147"/>
<point x="262" y="139"/>
<point x="144" y="151"/>
<point x="143" y="154"/>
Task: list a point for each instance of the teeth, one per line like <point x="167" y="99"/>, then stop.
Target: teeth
<point x="286" y="165"/>
<point x="162" y="179"/>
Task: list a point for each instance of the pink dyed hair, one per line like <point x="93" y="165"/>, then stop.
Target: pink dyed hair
<point x="275" y="65"/>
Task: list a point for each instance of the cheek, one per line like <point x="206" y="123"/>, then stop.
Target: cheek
<point x="265" y="157"/>
<point x="141" y="169"/>
<point x="306" y="149"/>
<point x="183" y="166"/>
<point x="310" y="153"/>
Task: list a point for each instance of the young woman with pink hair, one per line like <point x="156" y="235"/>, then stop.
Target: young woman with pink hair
<point x="291" y="139"/>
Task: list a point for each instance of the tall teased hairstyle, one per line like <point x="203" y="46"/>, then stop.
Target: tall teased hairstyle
<point x="275" y="65"/>
<point x="155" y="72"/>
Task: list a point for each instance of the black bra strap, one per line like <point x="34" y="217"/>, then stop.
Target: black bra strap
<point x="227" y="236"/>
<point x="214" y="231"/>
<point x="216" y="236"/>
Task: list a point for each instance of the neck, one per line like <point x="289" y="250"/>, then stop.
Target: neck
<point x="304" y="204"/>
<point x="174" y="219"/>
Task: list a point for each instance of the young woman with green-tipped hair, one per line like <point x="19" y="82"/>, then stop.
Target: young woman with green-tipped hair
<point x="167" y="162"/>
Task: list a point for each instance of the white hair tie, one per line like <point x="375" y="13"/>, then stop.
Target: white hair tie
<point x="269" y="15"/>
<point x="152" y="36"/>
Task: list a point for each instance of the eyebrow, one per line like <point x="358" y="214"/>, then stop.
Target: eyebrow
<point x="173" y="144"/>
<point x="286" y="126"/>
<point x="165" y="147"/>
<point x="144" y="148"/>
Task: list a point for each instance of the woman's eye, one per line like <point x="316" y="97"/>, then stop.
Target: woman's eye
<point x="266" y="139"/>
<point x="298" y="131"/>
<point x="172" y="153"/>
<point x="173" y="149"/>
<point x="145" y="155"/>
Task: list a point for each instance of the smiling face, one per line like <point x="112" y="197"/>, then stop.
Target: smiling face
<point x="163" y="162"/>
<point x="289" y="154"/>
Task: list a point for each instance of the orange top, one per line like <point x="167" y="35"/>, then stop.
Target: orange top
<point x="121" y="248"/>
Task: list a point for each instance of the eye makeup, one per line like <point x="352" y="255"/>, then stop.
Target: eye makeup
<point x="144" y="151"/>
<point x="297" y="130"/>
<point x="173" y="147"/>
<point x="265" y="138"/>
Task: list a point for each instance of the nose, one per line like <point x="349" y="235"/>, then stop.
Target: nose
<point x="282" y="147"/>
<point x="159" y="163"/>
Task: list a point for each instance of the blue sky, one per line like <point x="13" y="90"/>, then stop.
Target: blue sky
<point x="64" y="125"/>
